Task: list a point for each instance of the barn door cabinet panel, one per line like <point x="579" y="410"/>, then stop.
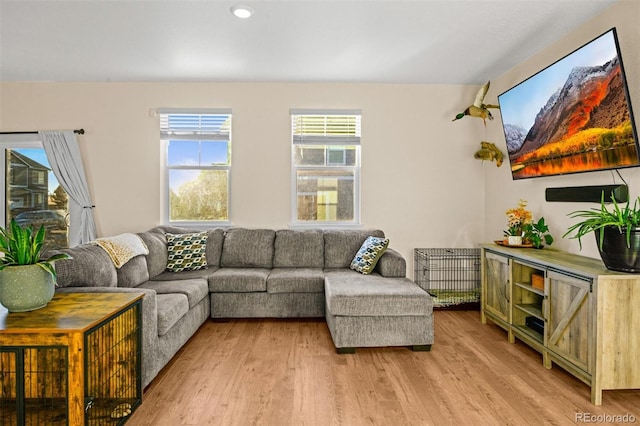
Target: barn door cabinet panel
<point x="570" y="330"/>
<point x="496" y="296"/>
<point x="575" y="312"/>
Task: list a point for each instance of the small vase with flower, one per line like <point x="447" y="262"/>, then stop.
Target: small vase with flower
<point x="517" y="219"/>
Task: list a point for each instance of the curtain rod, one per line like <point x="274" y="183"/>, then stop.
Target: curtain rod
<point x="76" y="131"/>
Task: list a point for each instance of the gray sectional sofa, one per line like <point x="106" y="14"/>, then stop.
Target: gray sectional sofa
<point x="260" y="273"/>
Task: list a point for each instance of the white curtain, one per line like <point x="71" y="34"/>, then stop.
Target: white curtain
<point x="64" y="157"/>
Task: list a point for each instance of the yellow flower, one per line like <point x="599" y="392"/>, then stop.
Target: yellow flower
<point x="517" y="218"/>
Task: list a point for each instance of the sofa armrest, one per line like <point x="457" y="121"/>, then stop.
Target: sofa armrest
<point x="392" y="265"/>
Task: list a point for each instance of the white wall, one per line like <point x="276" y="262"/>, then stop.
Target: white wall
<point x="420" y="183"/>
<point x="503" y="193"/>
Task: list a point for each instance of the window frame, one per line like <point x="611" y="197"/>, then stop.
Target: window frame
<point x="166" y="168"/>
<point x="328" y="143"/>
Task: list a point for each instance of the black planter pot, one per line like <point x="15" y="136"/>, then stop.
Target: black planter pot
<point x="615" y="254"/>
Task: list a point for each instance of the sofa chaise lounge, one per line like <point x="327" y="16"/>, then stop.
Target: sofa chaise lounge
<point x="258" y="273"/>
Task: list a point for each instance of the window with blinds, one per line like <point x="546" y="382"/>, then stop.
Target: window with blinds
<point x="325" y="167"/>
<point x="198" y="165"/>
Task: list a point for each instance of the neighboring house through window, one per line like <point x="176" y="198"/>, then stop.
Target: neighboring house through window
<point x="197" y="148"/>
<point x="325" y="167"/>
<point x="32" y="195"/>
<point x="28" y="181"/>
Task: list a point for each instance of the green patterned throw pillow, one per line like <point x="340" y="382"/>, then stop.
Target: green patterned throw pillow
<point x="187" y="252"/>
<point x="369" y="254"/>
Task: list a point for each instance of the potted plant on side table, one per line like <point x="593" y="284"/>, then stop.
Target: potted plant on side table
<point x="617" y="233"/>
<point x="537" y="234"/>
<point x="27" y="283"/>
<point x="517" y="219"/>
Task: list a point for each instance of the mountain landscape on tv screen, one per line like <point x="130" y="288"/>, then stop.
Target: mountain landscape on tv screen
<point x="588" y="113"/>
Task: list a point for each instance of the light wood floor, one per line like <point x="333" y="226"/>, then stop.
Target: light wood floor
<point x="286" y="372"/>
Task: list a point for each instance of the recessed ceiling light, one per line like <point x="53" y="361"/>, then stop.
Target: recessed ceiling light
<point x="242" y="11"/>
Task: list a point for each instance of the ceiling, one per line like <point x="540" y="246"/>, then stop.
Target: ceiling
<point x="420" y="41"/>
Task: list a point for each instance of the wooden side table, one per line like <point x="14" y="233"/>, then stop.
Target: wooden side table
<point x="75" y="362"/>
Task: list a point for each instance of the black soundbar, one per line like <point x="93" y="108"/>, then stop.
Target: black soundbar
<point x="588" y="194"/>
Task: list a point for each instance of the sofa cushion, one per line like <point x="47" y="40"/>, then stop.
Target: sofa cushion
<point x="185" y="275"/>
<point x="340" y="246"/>
<point x="195" y="289"/>
<point x="133" y="272"/>
<point x="215" y="240"/>
<point x="349" y="293"/>
<point x="248" y="248"/>
<point x="157" y="258"/>
<point x="392" y="264"/>
<point x="171" y="307"/>
<point x="91" y="266"/>
<point x="295" y="280"/>
<point x="370" y="252"/>
<point x="298" y="249"/>
<point x="187" y="252"/>
<point x="239" y="280"/>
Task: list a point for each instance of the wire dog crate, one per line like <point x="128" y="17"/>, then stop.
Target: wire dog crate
<point x="450" y="276"/>
<point x="34" y="386"/>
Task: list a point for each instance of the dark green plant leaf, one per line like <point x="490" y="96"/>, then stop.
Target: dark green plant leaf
<point x="23" y="246"/>
<point x="595" y="220"/>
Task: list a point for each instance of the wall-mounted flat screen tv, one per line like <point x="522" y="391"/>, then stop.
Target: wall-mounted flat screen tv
<point x="573" y="116"/>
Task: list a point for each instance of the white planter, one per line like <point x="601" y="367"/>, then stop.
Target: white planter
<point x="515" y="240"/>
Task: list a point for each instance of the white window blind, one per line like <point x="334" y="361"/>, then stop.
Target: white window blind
<point x="210" y="126"/>
<point x="331" y="128"/>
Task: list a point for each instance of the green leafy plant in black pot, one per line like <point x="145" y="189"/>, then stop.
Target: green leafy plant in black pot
<point x="617" y="232"/>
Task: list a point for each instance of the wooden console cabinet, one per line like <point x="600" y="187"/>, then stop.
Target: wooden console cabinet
<point x="76" y="361"/>
<point x="585" y="318"/>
